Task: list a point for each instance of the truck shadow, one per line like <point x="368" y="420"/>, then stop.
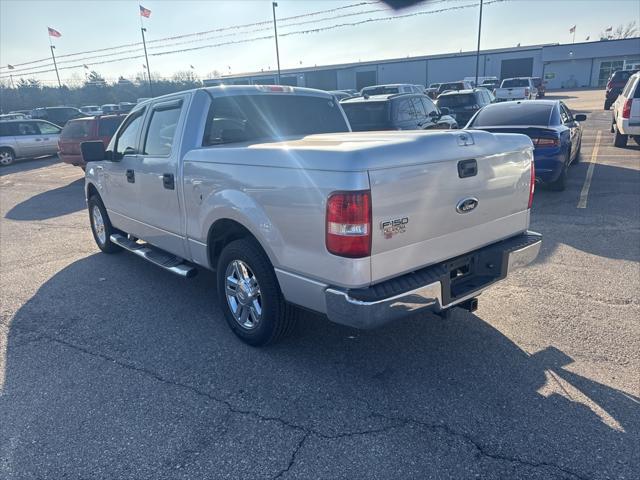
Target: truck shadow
<point x="105" y="323"/>
<point x="51" y="203"/>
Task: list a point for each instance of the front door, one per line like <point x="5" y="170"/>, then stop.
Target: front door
<point x="158" y="175"/>
<point x="49" y="134"/>
<point x="119" y="178"/>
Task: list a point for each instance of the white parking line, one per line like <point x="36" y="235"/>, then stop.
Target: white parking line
<point x="582" y="203"/>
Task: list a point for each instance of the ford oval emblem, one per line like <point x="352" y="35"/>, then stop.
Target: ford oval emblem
<point x="466" y="205"/>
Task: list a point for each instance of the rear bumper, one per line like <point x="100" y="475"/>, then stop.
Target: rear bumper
<point x="431" y="288"/>
<point x="628" y="126"/>
<point x="549" y="163"/>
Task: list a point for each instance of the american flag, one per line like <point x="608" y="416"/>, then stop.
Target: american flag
<point x="54" y="33"/>
<point x="10" y="67"/>
<point x="572" y="29"/>
<point x="145" y="12"/>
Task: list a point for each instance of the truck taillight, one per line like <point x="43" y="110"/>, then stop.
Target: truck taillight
<point x="626" y="109"/>
<point x="532" y="187"/>
<point x="349" y="224"/>
<point x="609" y="85"/>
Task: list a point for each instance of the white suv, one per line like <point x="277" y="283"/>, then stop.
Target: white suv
<point x="626" y="113"/>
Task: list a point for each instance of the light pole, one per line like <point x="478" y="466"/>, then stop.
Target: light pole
<point x="144" y="44"/>
<point x="275" y="29"/>
<point x="478" y="49"/>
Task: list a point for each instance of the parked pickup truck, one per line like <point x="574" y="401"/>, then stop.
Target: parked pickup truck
<point x="516" y="89"/>
<point x="267" y="186"/>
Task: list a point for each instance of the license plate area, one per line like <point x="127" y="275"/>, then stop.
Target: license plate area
<point x="471" y="273"/>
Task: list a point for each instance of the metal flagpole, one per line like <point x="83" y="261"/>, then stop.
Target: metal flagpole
<point x="275" y="28"/>
<point x="53" y="56"/>
<point x="144" y="43"/>
<point x="478" y="48"/>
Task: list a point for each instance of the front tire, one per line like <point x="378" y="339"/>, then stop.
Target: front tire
<point x="101" y="226"/>
<point x="250" y="296"/>
<point x="7" y="156"/>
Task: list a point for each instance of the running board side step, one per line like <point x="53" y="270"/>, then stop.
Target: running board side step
<point x="156" y="256"/>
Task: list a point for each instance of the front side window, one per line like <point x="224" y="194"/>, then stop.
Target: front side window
<point x="127" y="141"/>
<point x="162" y="129"/>
<point x="429" y="106"/>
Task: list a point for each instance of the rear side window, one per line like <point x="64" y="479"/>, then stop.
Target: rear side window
<point x="162" y="129"/>
<point x="367" y="115"/>
<point x="243" y="118"/>
<point x="429" y="106"/>
<point x="27" y="128"/>
<point x="107" y="126"/>
<point x="526" y="113"/>
<point x="7" y="129"/>
<point x="77" y="129"/>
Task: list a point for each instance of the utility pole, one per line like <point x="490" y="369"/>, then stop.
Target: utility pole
<point x="478" y="49"/>
<point x="53" y="56"/>
<point x="144" y="44"/>
<point x="275" y="28"/>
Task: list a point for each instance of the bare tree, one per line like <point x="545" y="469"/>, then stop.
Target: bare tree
<point x="629" y="30"/>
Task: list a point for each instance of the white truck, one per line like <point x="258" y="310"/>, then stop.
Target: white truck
<point x="268" y="186"/>
<point x="521" y="88"/>
<point x="625" y="120"/>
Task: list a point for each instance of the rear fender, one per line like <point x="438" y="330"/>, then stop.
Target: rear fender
<point x="241" y="208"/>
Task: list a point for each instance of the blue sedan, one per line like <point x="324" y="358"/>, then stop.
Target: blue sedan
<point x="555" y="132"/>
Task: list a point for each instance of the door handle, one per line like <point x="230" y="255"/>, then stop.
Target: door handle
<point x="131" y="176"/>
<point x="168" y="181"/>
<point x="38" y="139"/>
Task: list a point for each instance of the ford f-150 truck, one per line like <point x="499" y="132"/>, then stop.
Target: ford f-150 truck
<point x="267" y="186"/>
<point x="516" y="89"/>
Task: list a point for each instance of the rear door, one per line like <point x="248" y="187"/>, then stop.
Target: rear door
<point x="157" y="173"/>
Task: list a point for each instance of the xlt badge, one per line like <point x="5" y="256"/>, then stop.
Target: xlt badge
<point x="392" y="227"/>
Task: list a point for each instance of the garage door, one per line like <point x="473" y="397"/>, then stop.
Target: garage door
<point x="365" y="79"/>
<point x="516" y="67"/>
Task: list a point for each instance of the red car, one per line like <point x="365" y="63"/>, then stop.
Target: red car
<point x="83" y="130"/>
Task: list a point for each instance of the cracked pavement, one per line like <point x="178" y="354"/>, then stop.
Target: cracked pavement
<point x="112" y="368"/>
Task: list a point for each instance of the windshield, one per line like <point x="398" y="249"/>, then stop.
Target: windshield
<point x="250" y="117"/>
<point x="367" y="115"/>
<point x="515" y="82"/>
<point x="526" y="113"/>
<point x="452" y="101"/>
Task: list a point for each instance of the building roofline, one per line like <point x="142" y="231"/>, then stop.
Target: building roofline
<point x="292" y="71"/>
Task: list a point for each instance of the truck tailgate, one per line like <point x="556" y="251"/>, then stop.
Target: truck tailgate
<point x="433" y="211"/>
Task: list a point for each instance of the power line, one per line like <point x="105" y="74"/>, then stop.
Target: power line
<point x="254" y="39"/>
<point x="175" y="37"/>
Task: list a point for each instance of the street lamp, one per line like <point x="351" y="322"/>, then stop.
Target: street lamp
<point x="275" y="29"/>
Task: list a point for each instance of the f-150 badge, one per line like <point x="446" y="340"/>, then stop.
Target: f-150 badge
<point x="393" y="227"/>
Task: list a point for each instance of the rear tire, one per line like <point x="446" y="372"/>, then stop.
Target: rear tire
<point x="250" y="296"/>
<point x="619" y="140"/>
<point x="101" y="226"/>
<point x="561" y="183"/>
<point x="577" y="158"/>
<point x="7" y="156"/>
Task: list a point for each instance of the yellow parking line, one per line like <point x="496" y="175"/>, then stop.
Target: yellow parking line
<point x="582" y="203"/>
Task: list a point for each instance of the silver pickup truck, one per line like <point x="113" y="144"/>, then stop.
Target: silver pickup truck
<point x="268" y="186"/>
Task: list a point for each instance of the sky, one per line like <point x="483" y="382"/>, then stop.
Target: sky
<point x="98" y="24"/>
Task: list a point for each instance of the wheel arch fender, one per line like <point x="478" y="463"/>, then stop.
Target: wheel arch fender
<point x="230" y="209"/>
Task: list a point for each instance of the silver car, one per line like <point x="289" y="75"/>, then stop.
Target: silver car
<point x="27" y="139"/>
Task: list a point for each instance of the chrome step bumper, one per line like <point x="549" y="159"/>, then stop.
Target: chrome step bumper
<point x="431" y="288"/>
<point x="156" y="256"/>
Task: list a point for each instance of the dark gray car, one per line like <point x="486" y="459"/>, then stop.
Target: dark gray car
<point x="464" y="103"/>
<point x="403" y="111"/>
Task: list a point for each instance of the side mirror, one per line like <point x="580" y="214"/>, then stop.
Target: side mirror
<point x="581" y="117"/>
<point x="445" y="111"/>
<point x="92" y="151"/>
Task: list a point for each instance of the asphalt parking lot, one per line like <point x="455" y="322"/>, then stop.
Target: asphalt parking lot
<point x="112" y="368"/>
